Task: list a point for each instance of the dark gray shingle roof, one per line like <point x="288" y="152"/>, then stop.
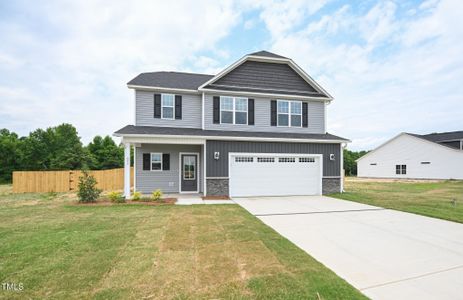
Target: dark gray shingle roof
<point x="150" y="130"/>
<point x="442" y="138"/>
<point x="175" y="80"/>
<point x="266" y="54"/>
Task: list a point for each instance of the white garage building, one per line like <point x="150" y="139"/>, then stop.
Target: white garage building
<point x="413" y="156"/>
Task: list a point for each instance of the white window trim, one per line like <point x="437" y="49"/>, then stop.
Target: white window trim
<point x="234" y="110"/>
<point x="289" y="113"/>
<point x="151" y="162"/>
<point x="173" y="107"/>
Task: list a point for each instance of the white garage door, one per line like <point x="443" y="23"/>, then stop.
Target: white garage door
<point x="274" y="175"/>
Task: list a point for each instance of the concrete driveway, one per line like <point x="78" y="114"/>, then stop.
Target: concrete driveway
<point x="386" y="254"/>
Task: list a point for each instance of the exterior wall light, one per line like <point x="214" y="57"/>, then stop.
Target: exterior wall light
<point x="216" y="155"/>
<point x="332" y="157"/>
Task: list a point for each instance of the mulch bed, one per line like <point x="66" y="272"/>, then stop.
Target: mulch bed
<point x="107" y="202"/>
<point x="216" y="198"/>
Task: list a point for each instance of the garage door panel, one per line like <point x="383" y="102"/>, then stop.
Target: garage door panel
<point x="267" y="176"/>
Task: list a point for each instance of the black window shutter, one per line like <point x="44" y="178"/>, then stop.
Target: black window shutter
<point x="216" y="109"/>
<point x="178" y="107"/>
<point x="273" y="113"/>
<point x="250" y="111"/>
<point x="146" y="161"/>
<point x="157" y="105"/>
<point x="305" y="114"/>
<point x="166" y="161"/>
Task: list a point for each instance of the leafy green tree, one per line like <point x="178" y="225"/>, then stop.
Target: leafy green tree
<point x="350" y="164"/>
<point x="105" y="153"/>
<point x="56" y="148"/>
<point x="10" y="154"/>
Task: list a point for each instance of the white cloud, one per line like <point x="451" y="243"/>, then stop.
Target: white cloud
<point x="394" y="75"/>
<point x="74" y="69"/>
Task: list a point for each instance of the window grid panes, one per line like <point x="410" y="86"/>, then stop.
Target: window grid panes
<point x="167" y="106"/>
<point x="401" y="169"/>
<point x="306" y="159"/>
<point x="289" y="113"/>
<point x="156" y="161"/>
<point x="233" y="110"/>
<point x="286" y="159"/>
<point x="244" y="159"/>
<point x="266" y="159"/>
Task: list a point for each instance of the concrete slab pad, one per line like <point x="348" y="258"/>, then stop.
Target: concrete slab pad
<point x="386" y="254"/>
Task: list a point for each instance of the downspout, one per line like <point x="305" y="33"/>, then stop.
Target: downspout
<point x="343" y="146"/>
<point x="461" y="144"/>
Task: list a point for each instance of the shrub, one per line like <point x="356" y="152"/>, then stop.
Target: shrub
<point x="157" y="195"/>
<point x="136" y="196"/>
<point x="87" y="190"/>
<point x="116" y="197"/>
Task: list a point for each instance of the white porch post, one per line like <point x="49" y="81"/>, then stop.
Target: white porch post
<point x="127" y="170"/>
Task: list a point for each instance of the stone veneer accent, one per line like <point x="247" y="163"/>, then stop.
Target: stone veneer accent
<point x="217" y="187"/>
<point x="331" y="185"/>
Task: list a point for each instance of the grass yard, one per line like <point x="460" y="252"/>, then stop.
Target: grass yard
<point x="57" y="249"/>
<point x="434" y="199"/>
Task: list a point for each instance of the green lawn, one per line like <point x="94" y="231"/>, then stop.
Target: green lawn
<point x="57" y="249"/>
<point x="442" y="199"/>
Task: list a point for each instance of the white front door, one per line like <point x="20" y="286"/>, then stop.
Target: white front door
<point x="274" y="174"/>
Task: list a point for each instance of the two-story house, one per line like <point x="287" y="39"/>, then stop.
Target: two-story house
<point x="257" y="128"/>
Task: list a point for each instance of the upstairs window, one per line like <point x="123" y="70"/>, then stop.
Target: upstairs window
<point x="167" y="106"/>
<point x="289" y="113"/>
<point x="401" y="169"/>
<point x="233" y="110"/>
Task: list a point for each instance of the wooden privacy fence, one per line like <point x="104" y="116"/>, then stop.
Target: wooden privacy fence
<point x="65" y="181"/>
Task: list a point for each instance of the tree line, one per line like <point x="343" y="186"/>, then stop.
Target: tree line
<point x="60" y="148"/>
<point x="350" y="164"/>
<point x="56" y="148"/>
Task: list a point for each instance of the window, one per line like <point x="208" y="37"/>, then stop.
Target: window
<point x="373" y="164"/>
<point x="266" y="159"/>
<point x="286" y="159"/>
<point x="289" y="113"/>
<point x="167" y="106"/>
<point x="425" y="162"/>
<point x="401" y="169"/>
<point x="233" y="110"/>
<point x="189" y="165"/>
<point x="306" y="159"/>
<point x="244" y="159"/>
<point x="156" y="161"/>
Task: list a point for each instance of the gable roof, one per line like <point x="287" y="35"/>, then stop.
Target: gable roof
<point x="173" y="80"/>
<point x="266" y="54"/>
<point x="435" y="138"/>
<point x="267" y="73"/>
<point x="258" y="76"/>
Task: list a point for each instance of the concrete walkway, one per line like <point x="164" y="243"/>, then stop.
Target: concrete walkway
<point x="386" y="254"/>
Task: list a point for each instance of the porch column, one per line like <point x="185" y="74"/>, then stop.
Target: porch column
<point x="127" y="170"/>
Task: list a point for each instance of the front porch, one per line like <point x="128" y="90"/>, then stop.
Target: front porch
<point x="173" y="166"/>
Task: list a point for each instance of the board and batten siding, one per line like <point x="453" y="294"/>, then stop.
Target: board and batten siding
<point x="424" y="160"/>
<point x="219" y="168"/>
<point x="316" y="117"/>
<point x="167" y="181"/>
<point x="144" y="111"/>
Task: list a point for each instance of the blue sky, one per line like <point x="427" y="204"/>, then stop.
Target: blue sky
<point x="392" y="66"/>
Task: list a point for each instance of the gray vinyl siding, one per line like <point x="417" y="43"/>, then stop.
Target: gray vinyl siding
<point x="144" y="110"/>
<point x="265" y="75"/>
<point x="316" y="116"/>
<point x="168" y="181"/>
<point x="219" y="168"/>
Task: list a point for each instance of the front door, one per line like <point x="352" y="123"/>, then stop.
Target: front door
<point x="189" y="175"/>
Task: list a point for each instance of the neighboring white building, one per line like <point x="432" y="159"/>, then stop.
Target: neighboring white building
<point x="431" y="156"/>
